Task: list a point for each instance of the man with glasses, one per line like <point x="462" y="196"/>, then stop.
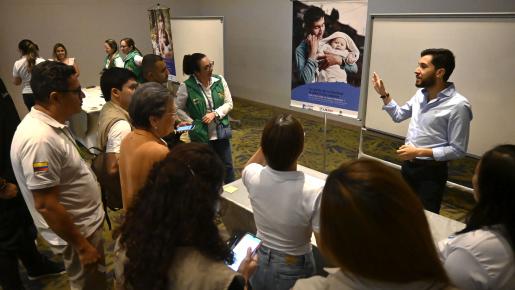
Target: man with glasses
<point x="58" y="186"/>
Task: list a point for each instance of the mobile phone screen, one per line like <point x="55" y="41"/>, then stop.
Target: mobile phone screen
<point x="184" y="128"/>
<point x="240" y="249"/>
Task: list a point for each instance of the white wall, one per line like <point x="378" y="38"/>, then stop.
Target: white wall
<point x="257" y="34"/>
<point x="81" y="25"/>
<point x="258" y="39"/>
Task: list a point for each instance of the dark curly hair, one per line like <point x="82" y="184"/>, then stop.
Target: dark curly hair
<point x="175" y="208"/>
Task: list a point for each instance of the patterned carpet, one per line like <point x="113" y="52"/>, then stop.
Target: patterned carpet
<point x="342" y="144"/>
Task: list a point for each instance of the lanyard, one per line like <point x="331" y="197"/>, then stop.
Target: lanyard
<point x="210" y="105"/>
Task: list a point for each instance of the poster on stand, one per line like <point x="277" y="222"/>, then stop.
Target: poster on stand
<point x="327" y="55"/>
<point x="161" y="37"/>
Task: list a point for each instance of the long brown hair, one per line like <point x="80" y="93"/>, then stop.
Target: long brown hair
<point x="30" y="50"/>
<point x="373" y="226"/>
<point x="496" y="186"/>
<point x="130" y="43"/>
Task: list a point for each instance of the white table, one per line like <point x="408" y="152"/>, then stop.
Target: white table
<point x="237" y="210"/>
<point x="84" y="125"/>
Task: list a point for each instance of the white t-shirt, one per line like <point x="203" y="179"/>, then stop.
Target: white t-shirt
<point x="21" y="70"/>
<point x="480" y="259"/>
<point x="286" y="206"/>
<point x="116" y="133"/>
<point x="43" y="155"/>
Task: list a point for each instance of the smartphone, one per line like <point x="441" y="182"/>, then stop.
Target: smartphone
<point x="185" y="128"/>
<point x="240" y="249"/>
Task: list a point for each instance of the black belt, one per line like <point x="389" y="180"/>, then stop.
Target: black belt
<point x="427" y="162"/>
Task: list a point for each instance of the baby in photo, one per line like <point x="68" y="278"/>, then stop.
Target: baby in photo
<point x="342" y="45"/>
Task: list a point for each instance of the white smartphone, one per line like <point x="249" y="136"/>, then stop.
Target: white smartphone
<point x="240" y="249"/>
<point x="185" y="128"/>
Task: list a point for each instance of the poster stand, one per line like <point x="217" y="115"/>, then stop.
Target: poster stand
<point x="324" y="151"/>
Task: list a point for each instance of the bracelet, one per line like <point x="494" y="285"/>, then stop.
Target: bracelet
<point x="385" y="96"/>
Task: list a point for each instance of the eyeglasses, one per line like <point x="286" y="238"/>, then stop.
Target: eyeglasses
<point x="77" y="91"/>
<point x="210" y="65"/>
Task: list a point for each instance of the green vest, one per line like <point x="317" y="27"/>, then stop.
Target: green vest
<point x="131" y="65"/>
<point x="197" y="108"/>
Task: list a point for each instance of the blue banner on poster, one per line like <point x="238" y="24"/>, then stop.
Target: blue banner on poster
<point x="335" y="95"/>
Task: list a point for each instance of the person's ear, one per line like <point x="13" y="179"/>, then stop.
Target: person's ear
<point x="53" y="98"/>
<point x="440" y="73"/>
<point x="148" y="76"/>
<point x="115" y="93"/>
<point x="153" y="120"/>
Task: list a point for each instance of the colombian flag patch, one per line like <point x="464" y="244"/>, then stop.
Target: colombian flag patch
<point x="40" y="166"/>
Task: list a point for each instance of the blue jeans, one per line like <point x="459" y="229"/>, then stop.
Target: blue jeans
<point x="280" y="271"/>
<point x="222" y="147"/>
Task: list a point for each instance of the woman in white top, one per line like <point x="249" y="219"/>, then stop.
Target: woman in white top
<point x="113" y="58"/>
<point x="285" y="203"/>
<point x="373" y="227"/>
<point x="22" y="70"/>
<point x="481" y="256"/>
<point x="61" y="55"/>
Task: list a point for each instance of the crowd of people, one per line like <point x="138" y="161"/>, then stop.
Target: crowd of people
<point x="367" y="220"/>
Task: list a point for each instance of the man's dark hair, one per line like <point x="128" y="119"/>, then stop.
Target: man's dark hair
<point x="48" y="77"/>
<point x="312" y="15"/>
<point x="114" y="77"/>
<point x="282" y="141"/>
<point x="148" y="64"/>
<point x="442" y="58"/>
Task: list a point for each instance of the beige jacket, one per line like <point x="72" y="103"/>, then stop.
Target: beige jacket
<point x="110" y="114"/>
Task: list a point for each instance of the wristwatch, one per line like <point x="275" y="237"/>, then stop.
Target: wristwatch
<point x="385" y="96"/>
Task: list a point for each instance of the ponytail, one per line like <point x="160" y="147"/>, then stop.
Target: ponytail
<point x="32" y="55"/>
<point x="190" y="63"/>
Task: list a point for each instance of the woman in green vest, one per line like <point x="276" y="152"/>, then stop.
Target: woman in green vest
<point x="204" y="100"/>
<point x="133" y="57"/>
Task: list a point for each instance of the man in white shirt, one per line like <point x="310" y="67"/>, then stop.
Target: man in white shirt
<point x="58" y="186"/>
<point x="117" y="85"/>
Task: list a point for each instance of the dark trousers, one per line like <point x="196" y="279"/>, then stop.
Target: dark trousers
<point x="427" y="178"/>
<point x="29" y="100"/>
<point x="29" y="255"/>
<point x="222" y="147"/>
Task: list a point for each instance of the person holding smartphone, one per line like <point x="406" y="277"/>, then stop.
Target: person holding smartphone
<point x="170" y="239"/>
<point x="285" y="205"/>
<point x="204" y="100"/>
